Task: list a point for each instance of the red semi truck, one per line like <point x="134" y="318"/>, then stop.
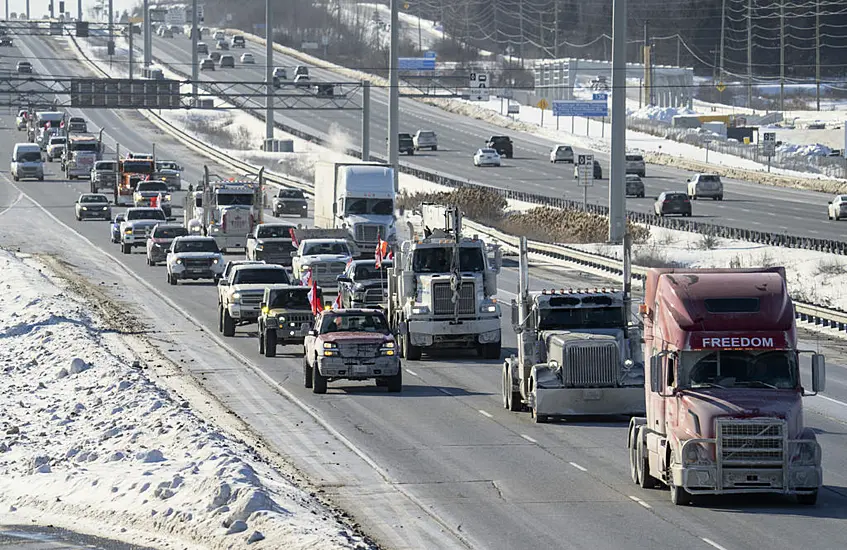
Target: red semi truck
<point x="723" y="389"/>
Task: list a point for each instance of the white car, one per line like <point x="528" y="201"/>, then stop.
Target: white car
<point x="194" y="257"/>
<point x="425" y="139"/>
<point x="325" y="258"/>
<point x="562" y="153"/>
<point x="22" y="119"/>
<point x="837" y="208"/>
<point x="247" y="59"/>
<point x="486" y="157"/>
<point x="55" y="147"/>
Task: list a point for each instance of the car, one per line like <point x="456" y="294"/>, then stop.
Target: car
<point x="194" y="257"/>
<point x="207" y="64"/>
<point x="635" y="165"/>
<point x="176" y="29"/>
<point x="705" y="186"/>
<point x="271" y="242"/>
<point x="160" y="240"/>
<point x="22" y="119"/>
<point x="280" y="72"/>
<point x="671" y="202"/>
<point x="202" y="47"/>
<point x="6" y="41"/>
<point x="286" y="317"/>
<point x="486" y="157"/>
<point x="363" y="284"/>
<point x="115" y="229"/>
<point x="215" y="56"/>
<point x="352" y="344"/>
<point x="227" y="62"/>
<point x="92" y="205"/>
<point x="55" y="147"/>
<point x="165" y="32"/>
<point x="301" y="70"/>
<point x="77" y="124"/>
<point x="634" y="186"/>
<point x="302" y="80"/>
<point x="425" y="139"/>
<point x="222" y="45"/>
<point x="502" y="144"/>
<point x="562" y="153"/>
<point x="24" y="67"/>
<point x="148" y="191"/>
<point x="597" y="171"/>
<point x="837" y="208"/>
<point x="219" y="35"/>
<point x="406" y="144"/>
<point x="248" y="59"/>
<point x="290" y="201"/>
<point x="276" y="82"/>
<point x="238" y="41"/>
<point x="103" y="175"/>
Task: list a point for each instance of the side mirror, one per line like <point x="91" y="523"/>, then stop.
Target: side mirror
<point x="818" y="373"/>
<point x="312" y="332"/>
<point x="293" y="254"/>
<point x="223" y="282"/>
<point x="656" y="371"/>
<point x="830" y="202"/>
<point x="250" y="236"/>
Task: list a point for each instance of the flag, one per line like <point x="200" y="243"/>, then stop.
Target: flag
<point x="337" y="303"/>
<point x="48" y="125"/>
<point x="62" y="124"/>
<point x="383" y="252"/>
<point x="314" y="298"/>
<point x="154" y="201"/>
<point x="306" y="278"/>
<point x="293" y="237"/>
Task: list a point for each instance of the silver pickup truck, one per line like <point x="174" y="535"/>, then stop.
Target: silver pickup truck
<point x="103" y="175"/>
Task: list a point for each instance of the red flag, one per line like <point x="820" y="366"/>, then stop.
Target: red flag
<point x="306" y="278"/>
<point x="337" y="303"/>
<point x="154" y="201"/>
<point x="293" y="237"/>
<point x="47" y="126"/>
<point x="314" y="299"/>
<point x="62" y="124"/>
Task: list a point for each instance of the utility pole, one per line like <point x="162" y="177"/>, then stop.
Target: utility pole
<point x="818" y="54"/>
<point x="131" y="52"/>
<point x="648" y="84"/>
<point x="750" y="54"/>
<point x="394" y="94"/>
<point x="28" y="16"/>
<point x="7" y="9"/>
<point x="782" y="56"/>
<point x="366" y="120"/>
<point x="556" y="29"/>
<point x="269" y="69"/>
<point x="520" y="19"/>
<point x="78" y="10"/>
<point x="148" y="53"/>
<point x="195" y="73"/>
<point x="420" y="36"/>
<point x="617" y="188"/>
<point x="723" y="35"/>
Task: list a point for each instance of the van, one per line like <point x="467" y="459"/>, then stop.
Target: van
<point x="27" y="162"/>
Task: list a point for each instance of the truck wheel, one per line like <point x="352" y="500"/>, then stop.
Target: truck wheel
<point x="270" y="343"/>
<point x="679" y="496"/>
<point x="645" y="480"/>
<point x="261" y="342"/>
<point x="221" y="319"/>
<point x="125" y="248"/>
<point x="172" y="279"/>
<point x="410" y="351"/>
<point x="491" y="351"/>
<point x="395" y="383"/>
<point x="633" y="455"/>
<point x="229" y="324"/>
<point x="808" y="500"/>
<point x="318" y="381"/>
<point x="511" y="399"/>
<point x="307" y="373"/>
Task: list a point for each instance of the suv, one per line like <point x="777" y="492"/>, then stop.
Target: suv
<point x="77" y="124"/>
<point x="202" y="47"/>
<point x="227" y="62"/>
<point x="562" y="153"/>
<point x="634" y="186"/>
<point x="673" y="203"/>
<point x="286" y="317"/>
<point x="290" y="201"/>
<point x="103" y="175"/>
<point x="425" y="139"/>
<point x="407" y="144"/>
<point x="706" y="186"/>
<point x="635" y="165"/>
<point x="55" y="147"/>
<point x="194" y="257"/>
<point x="160" y="241"/>
<point x="502" y="144"/>
<point x="238" y="41"/>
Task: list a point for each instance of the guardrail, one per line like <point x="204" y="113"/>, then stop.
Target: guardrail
<point x="809" y="313"/>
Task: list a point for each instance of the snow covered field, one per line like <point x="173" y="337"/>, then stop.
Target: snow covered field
<point x="91" y="443"/>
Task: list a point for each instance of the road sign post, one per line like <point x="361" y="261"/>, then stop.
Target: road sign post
<point x="708" y="141"/>
<point x="585" y="175"/>
<point x="542" y="104"/>
<point x="769" y="146"/>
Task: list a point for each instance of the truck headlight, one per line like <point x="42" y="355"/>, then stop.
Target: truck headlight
<point x="696" y="454"/>
<point x="330" y="349"/>
<point x="805" y="454"/>
<point x="260" y="247"/>
<point x="488" y="307"/>
<point x="128" y="231"/>
<point x="84" y="208"/>
<point x="236" y="296"/>
<point x="179" y="261"/>
<point x="387" y="349"/>
<point x="216" y="261"/>
<point x="168" y="197"/>
<point x="420" y="310"/>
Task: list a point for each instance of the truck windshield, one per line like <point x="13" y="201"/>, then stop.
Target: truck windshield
<point x="383" y="207"/>
<point x="89" y="147"/>
<point x="275" y="231"/>
<point x="196" y="245"/>
<point x="366" y="272"/>
<point x="235" y="199"/>
<point x="290" y="299"/>
<point x="354" y="322"/>
<point x="138" y="167"/>
<point x="440" y="260"/>
<point x="146" y="214"/>
<point x="584" y="317"/>
<point x="152" y="186"/>
<point x="316" y="249"/>
<point x="261" y="277"/>
<point x="739" y="369"/>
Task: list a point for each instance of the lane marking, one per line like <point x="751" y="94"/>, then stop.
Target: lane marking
<point x="578" y="467"/>
<point x="842" y="403"/>
<point x="413" y="373"/>
<point x="17" y="200"/>
<point x="531" y="440"/>
<point x="485" y="413"/>
<point x="641" y="502"/>
<point x="712" y="543"/>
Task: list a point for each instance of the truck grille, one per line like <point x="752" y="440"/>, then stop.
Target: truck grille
<point x="197" y="263"/>
<point x="746" y="443"/>
<point x="368" y="232"/>
<point x="442" y="299"/>
<point x="374" y="295"/>
<point x="594" y="365"/>
<point x="141" y="231"/>
<point x="358" y="350"/>
<point x="327" y="272"/>
<point x="251" y="299"/>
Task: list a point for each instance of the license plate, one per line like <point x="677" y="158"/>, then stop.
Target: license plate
<point x="591" y="395"/>
<point x="360" y="369"/>
<point x="196" y="270"/>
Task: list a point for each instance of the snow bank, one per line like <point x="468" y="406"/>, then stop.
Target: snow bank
<point x="814" y="150"/>
<point x="90" y="441"/>
<point x="659" y="114"/>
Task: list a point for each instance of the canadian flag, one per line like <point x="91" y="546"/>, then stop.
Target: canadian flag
<point x="336" y="304"/>
<point x="382" y="252"/>
<point x="293" y="237"/>
<point x="314" y="298"/>
<point x="62" y="124"/>
<point x="154" y="201"/>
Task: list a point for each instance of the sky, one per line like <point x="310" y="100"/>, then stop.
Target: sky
<point x="38" y="8"/>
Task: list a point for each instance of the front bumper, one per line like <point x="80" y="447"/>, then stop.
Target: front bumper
<point x="180" y="272"/>
<point x="590" y="401"/>
<point x="243" y="312"/>
<point x="289" y="334"/>
<point x="358" y="367"/>
<point x="472" y="331"/>
<point x="273" y="257"/>
<point x="290" y="208"/>
<point x="100" y="214"/>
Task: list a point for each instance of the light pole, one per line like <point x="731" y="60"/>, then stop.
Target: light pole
<point x="617" y="197"/>
<point x="269" y="56"/>
<point x="195" y="73"/>
<point x="394" y="94"/>
<point x="146" y="33"/>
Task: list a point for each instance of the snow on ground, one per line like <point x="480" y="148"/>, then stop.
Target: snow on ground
<point x="95" y="445"/>
<point x="660" y="114"/>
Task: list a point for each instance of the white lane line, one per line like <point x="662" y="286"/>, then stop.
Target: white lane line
<point x="712" y="543"/>
<point x="639" y="501"/>
<point x="413" y="373"/>
<point x="578" y="467"/>
<point x="531" y="440"/>
<point x="486" y="413"/>
<point x="842" y="403"/>
<point x="17" y="200"/>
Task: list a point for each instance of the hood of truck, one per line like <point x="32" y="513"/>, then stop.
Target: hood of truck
<point x="355" y="337"/>
<point x="585" y="335"/>
<point x="711" y="404"/>
<point x="196" y="255"/>
<point x="356" y="219"/>
<point x="258" y="288"/>
<point x="324" y="258"/>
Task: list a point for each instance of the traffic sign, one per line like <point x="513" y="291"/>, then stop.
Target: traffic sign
<point x="580" y="108"/>
<point x="769" y="143"/>
<point x="721" y="86"/>
<point x="416" y="63"/>
<point x="585" y="170"/>
<point x="514" y="109"/>
<point x="479" y="87"/>
<point x="543" y="104"/>
<point x="602" y="96"/>
<point x="429" y="54"/>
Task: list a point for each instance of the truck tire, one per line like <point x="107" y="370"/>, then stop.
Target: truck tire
<point x="221" y="318"/>
<point x="307" y="373"/>
<point x="511" y="399"/>
<point x="318" y="381"/>
<point x="395" y="383"/>
<point x="172" y="279"/>
<point x="228" y="324"/>
<point x="642" y="465"/>
<point x="126" y="249"/>
<point x="492" y="350"/>
<point x="261" y="341"/>
<point x="270" y="343"/>
<point x="410" y="351"/>
<point x="808" y="500"/>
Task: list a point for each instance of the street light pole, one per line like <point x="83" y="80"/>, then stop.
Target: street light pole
<point x="394" y="94"/>
<point x="147" y="34"/>
<point x="269" y="68"/>
<point x="195" y="73"/>
<point x="617" y="197"/>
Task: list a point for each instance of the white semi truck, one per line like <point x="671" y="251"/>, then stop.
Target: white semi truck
<point x="358" y="197"/>
<point x="442" y="289"/>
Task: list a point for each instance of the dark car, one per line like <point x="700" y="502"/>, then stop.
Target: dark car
<point x="502" y="144"/>
<point x="634" y="186"/>
<point x="6" y="41"/>
<point x="673" y="203"/>
<point x="290" y="201"/>
<point x="363" y="285"/>
<point x="407" y="144"/>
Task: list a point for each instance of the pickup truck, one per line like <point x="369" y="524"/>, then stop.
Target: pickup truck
<point x="241" y="294"/>
<point x="137" y="226"/>
<point x="271" y="242"/>
<point x="103" y="175"/>
<point x="325" y="258"/>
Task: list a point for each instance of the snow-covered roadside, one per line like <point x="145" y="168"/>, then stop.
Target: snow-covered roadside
<point x="90" y="442"/>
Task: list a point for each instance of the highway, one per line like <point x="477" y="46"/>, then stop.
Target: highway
<point x="493" y="477"/>
<point x="747" y="205"/>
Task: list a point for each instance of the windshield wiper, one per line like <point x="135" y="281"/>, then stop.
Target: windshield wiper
<point x="699" y="385"/>
<point x="758" y="383"/>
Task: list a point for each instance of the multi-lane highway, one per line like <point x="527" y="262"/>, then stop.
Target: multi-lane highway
<point x="747" y="205"/>
<point x="493" y="477"/>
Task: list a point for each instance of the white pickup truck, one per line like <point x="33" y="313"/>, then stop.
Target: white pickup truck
<point x="241" y="294"/>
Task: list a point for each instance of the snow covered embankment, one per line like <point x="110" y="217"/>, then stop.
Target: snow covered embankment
<point x="90" y="443"/>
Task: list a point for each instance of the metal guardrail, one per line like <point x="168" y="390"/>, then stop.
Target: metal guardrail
<point x="808" y="313"/>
